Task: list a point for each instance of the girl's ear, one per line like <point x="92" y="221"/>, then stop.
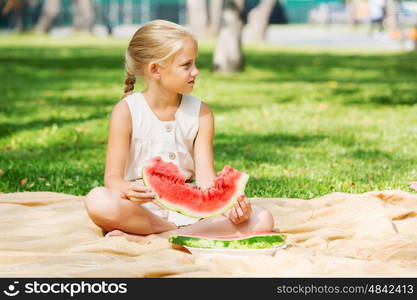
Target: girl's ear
<point x="154" y="71"/>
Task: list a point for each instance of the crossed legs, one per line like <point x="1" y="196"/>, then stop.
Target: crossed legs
<point x="119" y="216"/>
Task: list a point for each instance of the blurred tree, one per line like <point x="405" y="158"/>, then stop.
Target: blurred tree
<point x="228" y="56"/>
<point x="50" y="11"/>
<point x="258" y="20"/>
<point x="216" y="7"/>
<point x="18" y="7"/>
<point x="353" y="9"/>
<point x="391" y="17"/>
<point x="83" y="17"/>
<point x="197" y="17"/>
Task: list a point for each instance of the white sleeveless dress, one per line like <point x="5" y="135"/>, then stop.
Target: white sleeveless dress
<point x="173" y="141"/>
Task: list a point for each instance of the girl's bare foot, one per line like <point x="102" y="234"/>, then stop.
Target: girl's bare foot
<point x="114" y="233"/>
<point x="130" y="237"/>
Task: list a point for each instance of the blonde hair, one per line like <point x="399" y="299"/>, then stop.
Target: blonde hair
<point x="155" y="42"/>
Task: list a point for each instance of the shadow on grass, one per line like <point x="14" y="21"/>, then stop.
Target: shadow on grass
<point x="7" y="128"/>
<point x="389" y="72"/>
<point x="56" y="58"/>
<point x="320" y="66"/>
<point x="371" y="154"/>
<point x="26" y="72"/>
<point x="254" y="148"/>
<point x="225" y="108"/>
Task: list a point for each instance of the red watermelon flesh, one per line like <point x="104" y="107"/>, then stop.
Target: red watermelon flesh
<point x="175" y="194"/>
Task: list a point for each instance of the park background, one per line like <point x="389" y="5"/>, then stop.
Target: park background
<point x="315" y="102"/>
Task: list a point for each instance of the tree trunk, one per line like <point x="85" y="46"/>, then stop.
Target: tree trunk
<point x="228" y="56"/>
<point x="50" y="11"/>
<point x="258" y="20"/>
<point x="197" y="17"/>
<point x="17" y="7"/>
<point x="391" y="20"/>
<point x="353" y="7"/>
<point x="128" y="11"/>
<point x="20" y="22"/>
<point x="83" y="18"/>
<point x="215" y="16"/>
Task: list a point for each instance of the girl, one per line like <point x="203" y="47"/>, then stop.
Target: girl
<point x="162" y="120"/>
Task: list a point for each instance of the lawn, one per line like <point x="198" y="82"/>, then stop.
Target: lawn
<point x="302" y="123"/>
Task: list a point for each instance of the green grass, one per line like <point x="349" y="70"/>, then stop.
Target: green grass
<point x="302" y="123"/>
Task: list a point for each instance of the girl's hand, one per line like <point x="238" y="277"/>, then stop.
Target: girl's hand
<point x="241" y="211"/>
<point x="138" y="193"/>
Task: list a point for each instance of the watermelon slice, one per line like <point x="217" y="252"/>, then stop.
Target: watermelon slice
<point x="173" y="193"/>
<point x="257" y="240"/>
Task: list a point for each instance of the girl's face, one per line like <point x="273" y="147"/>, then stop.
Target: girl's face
<point x="180" y="74"/>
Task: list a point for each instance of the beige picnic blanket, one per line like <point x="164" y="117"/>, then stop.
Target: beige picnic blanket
<point x="374" y="234"/>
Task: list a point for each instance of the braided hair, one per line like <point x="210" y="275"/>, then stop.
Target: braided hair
<point x="129" y="84"/>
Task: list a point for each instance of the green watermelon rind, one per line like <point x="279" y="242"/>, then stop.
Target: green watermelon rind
<point x="241" y="184"/>
<point x="253" y="242"/>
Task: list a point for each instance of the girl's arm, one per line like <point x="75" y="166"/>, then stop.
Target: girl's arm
<point x="204" y="164"/>
<point x="120" y="128"/>
<point x="203" y="148"/>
